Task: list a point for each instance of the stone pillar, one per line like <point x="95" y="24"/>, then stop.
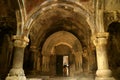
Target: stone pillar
<point x="92" y="60"/>
<point x="103" y="72"/>
<point x="78" y="62"/>
<point x="45" y="63"/>
<point x="85" y="58"/>
<point x="17" y="72"/>
<point x="36" y="59"/>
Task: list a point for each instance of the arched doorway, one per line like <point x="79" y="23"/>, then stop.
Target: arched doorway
<point x="63" y="53"/>
<point x="58" y="46"/>
<point x="60" y="18"/>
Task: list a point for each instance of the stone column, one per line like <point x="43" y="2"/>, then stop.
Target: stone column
<point x="78" y="62"/>
<point x="36" y="59"/>
<point x="45" y="63"/>
<point x="103" y="72"/>
<point x="17" y="72"/>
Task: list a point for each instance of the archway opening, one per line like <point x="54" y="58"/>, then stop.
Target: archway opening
<point x="56" y="48"/>
<point x="114" y="48"/>
<point x="63" y="53"/>
<point x="59" y="65"/>
<point x="64" y="24"/>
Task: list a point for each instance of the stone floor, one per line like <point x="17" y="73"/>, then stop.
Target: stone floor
<point x="81" y="77"/>
<point x="61" y="78"/>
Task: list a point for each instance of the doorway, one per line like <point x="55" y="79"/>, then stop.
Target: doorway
<point x="65" y="66"/>
<point x="62" y="65"/>
<point x="59" y="65"/>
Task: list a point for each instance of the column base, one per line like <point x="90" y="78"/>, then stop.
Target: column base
<point x="104" y="75"/>
<point x="104" y="78"/>
<point x="16" y="74"/>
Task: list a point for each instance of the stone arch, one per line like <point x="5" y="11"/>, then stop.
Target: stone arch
<point x="55" y="39"/>
<point x="111" y="28"/>
<point x="63" y="50"/>
<point x="42" y="24"/>
<point x="60" y="43"/>
<point x="110" y="19"/>
<point x="46" y="20"/>
<point x="20" y="17"/>
<point x="49" y="5"/>
<point x="63" y="44"/>
<point x="67" y="39"/>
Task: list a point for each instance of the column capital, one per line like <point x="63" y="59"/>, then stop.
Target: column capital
<point x="100" y="38"/>
<point x="34" y="49"/>
<point x="20" y="41"/>
<point x="102" y="35"/>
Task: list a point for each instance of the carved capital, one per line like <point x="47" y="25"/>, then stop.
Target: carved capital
<point x="102" y="35"/>
<point x="100" y="38"/>
<point x="20" y="41"/>
<point x="34" y="49"/>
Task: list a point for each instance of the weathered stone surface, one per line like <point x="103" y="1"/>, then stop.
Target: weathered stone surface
<point x="38" y="20"/>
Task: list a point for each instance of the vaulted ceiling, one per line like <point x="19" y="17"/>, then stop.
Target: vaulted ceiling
<point x="33" y="5"/>
<point x="8" y="8"/>
<point x="63" y="16"/>
<point x="58" y="18"/>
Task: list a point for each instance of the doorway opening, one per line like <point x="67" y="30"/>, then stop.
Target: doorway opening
<point x="65" y="66"/>
<point x="62" y="65"/>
